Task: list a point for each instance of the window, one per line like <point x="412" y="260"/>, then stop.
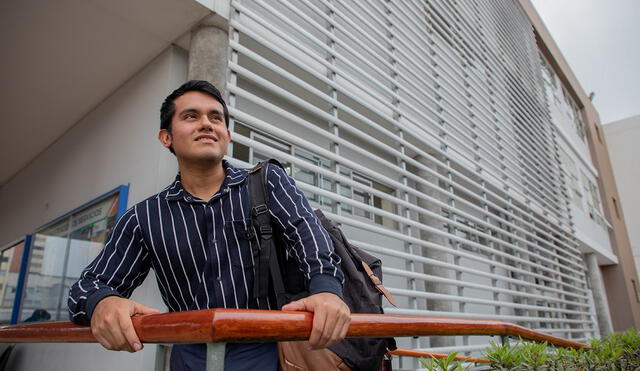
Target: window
<point x="315" y="178"/>
<point x="356" y="194"/>
<point x="573" y="112"/>
<point x="469" y="235"/>
<point x="385" y="205"/>
<point x="595" y="196"/>
<point x="311" y="177"/>
<point x="547" y="72"/>
<point x="572" y="178"/>
<point x="367" y="198"/>
<point x="10" y="260"/>
<point x="257" y="156"/>
<point x="61" y="250"/>
<point x="579" y="124"/>
<point x="594" y="206"/>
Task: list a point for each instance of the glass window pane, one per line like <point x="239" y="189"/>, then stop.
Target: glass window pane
<point x="361" y="179"/>
<point x="345" y="191"/>
<point x="90" y="227"/>
<point x="310" y="176"/>
<point x="10" y="260"/>
<point x="44" y="278"/>
<point x="306" y="176"/>
<point x="365" y="198"/>
<point x="257" y="156"/>
<point x="271" y="142"/>
<point x="307" y="156"/>
<point x="59" y="254"/>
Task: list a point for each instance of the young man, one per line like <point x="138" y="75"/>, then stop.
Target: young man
<point x="195" y="235"/>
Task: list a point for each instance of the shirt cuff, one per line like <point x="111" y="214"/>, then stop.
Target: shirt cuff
<point x="95" y="298"/>
<point x="325" y="283"/>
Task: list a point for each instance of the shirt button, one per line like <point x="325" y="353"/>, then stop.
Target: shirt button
<point x="188" y="198"/>
<point x="219" y="278"/>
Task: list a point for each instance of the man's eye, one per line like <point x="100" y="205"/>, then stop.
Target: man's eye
<point x="189" y="116"/>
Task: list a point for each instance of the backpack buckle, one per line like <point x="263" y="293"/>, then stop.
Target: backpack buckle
<point x="265" y="232"/>
<point x="260" y="209"/>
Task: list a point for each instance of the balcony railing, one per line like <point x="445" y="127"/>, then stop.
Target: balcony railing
<point x="219" y="326"/>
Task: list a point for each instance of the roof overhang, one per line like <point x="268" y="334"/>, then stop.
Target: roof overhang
<point x="60" y="59"/>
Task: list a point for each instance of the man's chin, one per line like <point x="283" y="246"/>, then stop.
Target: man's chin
<point x="210" y="157"/>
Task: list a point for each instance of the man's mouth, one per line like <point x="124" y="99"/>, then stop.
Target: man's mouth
<point x="206" y="139"/>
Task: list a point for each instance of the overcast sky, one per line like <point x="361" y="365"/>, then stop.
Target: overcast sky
<point x="600" y="39"/>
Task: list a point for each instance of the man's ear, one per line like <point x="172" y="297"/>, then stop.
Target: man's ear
<point x="229" y="134"/>
<point x="164" y="136"/>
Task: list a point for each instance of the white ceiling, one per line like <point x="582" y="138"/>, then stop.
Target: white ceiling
<point x="59" y="59"/>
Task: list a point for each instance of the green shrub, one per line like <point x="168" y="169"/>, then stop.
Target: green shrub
<point x="619" y="351"/>
<point x="504" y="357"/>
<point x="444" y="364"/>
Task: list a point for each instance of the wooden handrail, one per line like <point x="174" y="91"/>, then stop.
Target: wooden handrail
<point x="245" y="325"/>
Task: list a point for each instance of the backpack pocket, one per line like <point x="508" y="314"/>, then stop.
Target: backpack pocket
<point x="294" y="356"/>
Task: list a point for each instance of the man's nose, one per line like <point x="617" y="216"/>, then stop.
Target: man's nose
<point x="205" y="124"/>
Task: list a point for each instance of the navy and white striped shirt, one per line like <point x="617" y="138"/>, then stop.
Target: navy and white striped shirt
<point x="200" y="251"/>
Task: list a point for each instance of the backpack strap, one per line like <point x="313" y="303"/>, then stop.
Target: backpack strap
<point x="266" y="264"/>
<point x="377" y="283"/>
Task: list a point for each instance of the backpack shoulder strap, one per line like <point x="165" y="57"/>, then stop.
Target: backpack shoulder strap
<point x="266" y="264"/>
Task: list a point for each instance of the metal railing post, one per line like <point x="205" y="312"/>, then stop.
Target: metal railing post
<point x="215" y="356"/>
<point x="504" y="339"/>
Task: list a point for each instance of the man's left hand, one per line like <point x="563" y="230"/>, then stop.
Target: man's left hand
<point x="331" y="318"/>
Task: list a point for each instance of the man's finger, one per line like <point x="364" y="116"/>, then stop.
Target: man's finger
<point x="298" y="305"/>
<point x="101" y="339"/>
<point x="143" y="309"/>
<point x="131" y="340"/>
<point x="318" y="335"/>
<point x="345" y="327"/>
<point x="103" y="330"/>
<point x="340" y="330"/>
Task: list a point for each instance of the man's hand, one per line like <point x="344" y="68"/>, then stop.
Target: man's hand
<point x="331" y="318"/>
<point x="111" y="323"/>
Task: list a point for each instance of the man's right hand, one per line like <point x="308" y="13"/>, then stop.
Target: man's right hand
<point x="111" y="323"/>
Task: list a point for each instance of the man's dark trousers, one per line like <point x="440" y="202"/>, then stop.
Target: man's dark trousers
<point x="238" y="357"/>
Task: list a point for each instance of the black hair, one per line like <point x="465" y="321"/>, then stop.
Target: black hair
<point x="168" y="108"/>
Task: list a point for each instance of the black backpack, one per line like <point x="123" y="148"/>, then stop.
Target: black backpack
<point x="362" y="289"/>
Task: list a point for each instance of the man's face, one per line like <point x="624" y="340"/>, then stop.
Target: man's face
<point x="198" y="131"/>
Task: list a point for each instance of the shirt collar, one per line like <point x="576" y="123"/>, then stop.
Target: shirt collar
<point x="233" y="177"/>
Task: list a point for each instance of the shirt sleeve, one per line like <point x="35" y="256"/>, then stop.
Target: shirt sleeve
<point x="119" y="268"/>
<point x="308" y="241"/>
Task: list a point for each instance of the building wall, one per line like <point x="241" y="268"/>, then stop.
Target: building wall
<point x="585" y="206"/>
<point x="112" y="145"/>
<point x="618" y="278"/>
<point x="622" y="137"/>
<point x="447" y="124"/>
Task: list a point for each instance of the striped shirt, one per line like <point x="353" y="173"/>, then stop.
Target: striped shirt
<point x="200" y="250"/>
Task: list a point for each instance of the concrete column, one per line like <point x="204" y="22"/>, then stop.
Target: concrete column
<point x="599" y="295"/>
<point x="209" y="51"/>
<point x="433" y="304"/>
